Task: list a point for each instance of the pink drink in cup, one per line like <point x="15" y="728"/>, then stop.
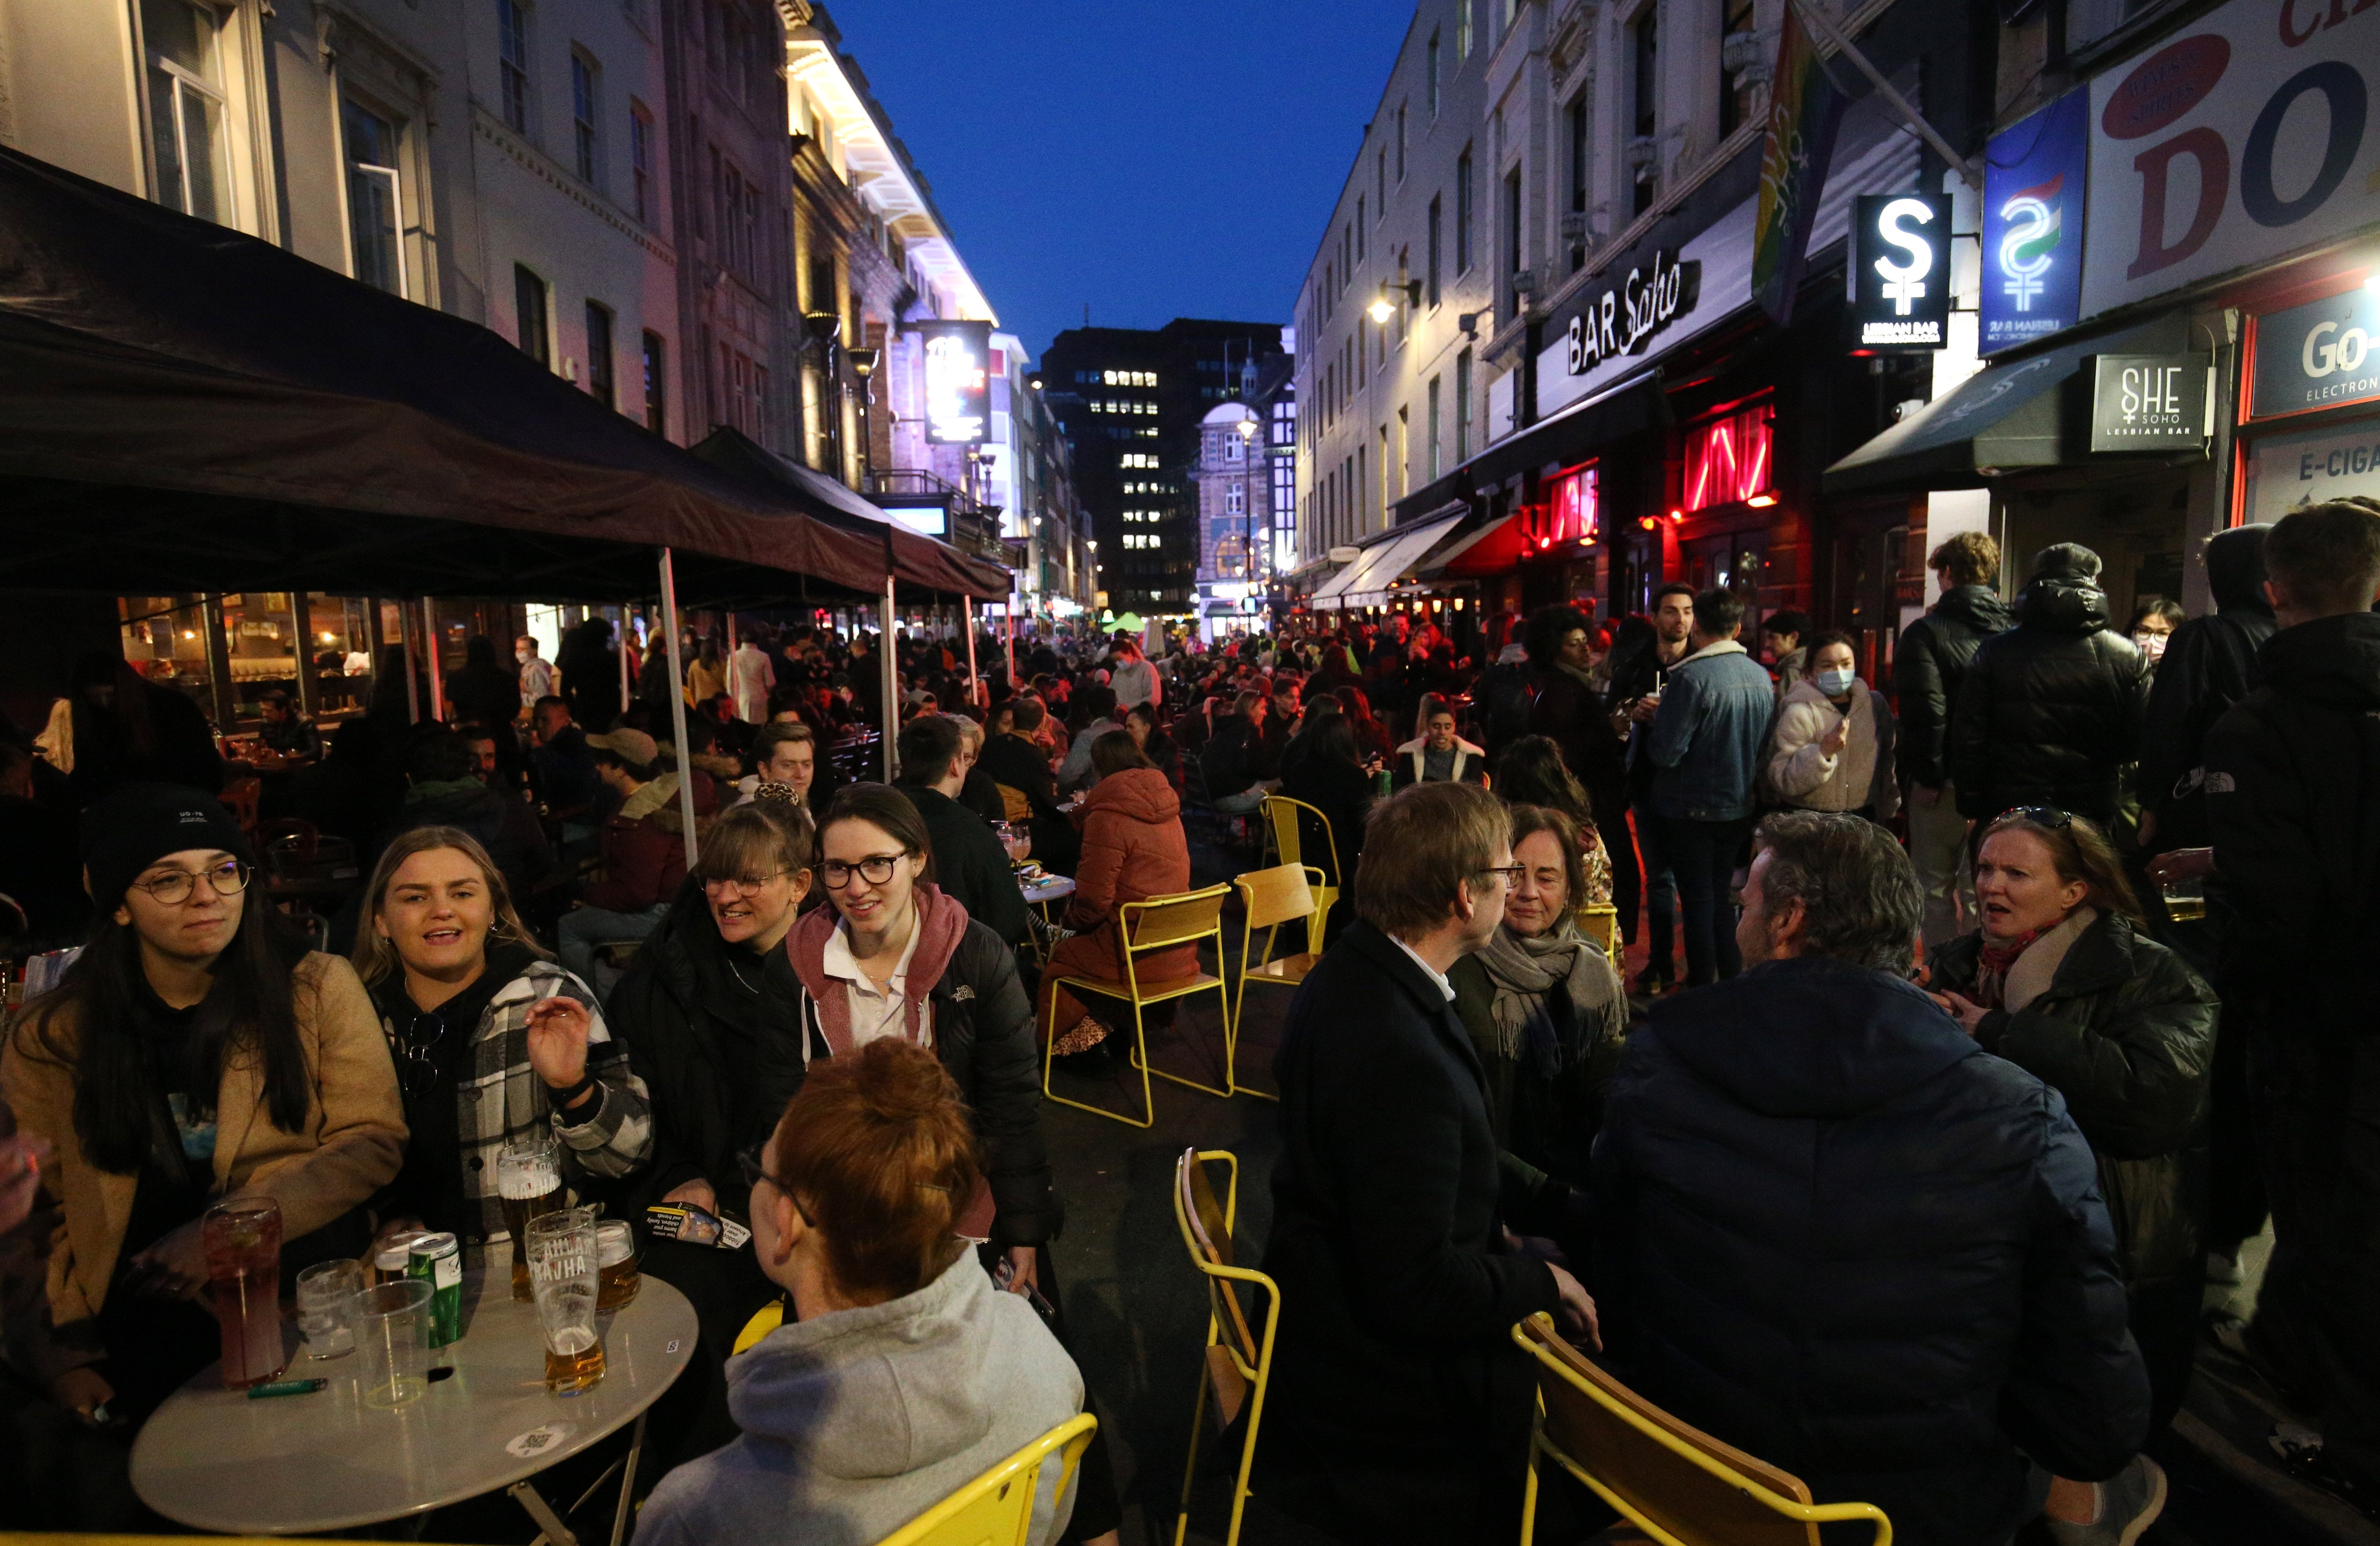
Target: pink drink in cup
<point x="243" y="1245"/>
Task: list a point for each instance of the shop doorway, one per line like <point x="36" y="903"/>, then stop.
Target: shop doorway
<point x="1865" y="585"/>
<point x="2139" y="526"/>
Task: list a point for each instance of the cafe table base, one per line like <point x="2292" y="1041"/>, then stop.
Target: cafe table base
<point x="300" y="1465"/>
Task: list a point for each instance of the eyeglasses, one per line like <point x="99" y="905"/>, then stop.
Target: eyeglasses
<point x="745" y="885"/>
<point x="756" y="1170"/>
<point x="876" y="869"/>
<point x="1513" y="873"/>
<point x="417" y="1071"/>
<point x="173" y="887"/>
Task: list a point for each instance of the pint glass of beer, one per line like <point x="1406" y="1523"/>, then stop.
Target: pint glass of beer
<point x="562" y="1266"/>
<point x="528" y="1181"/>
<point x="616" y="1280"/>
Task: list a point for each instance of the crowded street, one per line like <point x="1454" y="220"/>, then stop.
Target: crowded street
<point x="763" y="782"/>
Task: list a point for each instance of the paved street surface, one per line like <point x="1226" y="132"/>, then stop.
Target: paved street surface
<point x="1138" y="1316"/>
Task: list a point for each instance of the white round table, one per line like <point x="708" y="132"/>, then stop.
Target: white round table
<point x="303" y="1465"/>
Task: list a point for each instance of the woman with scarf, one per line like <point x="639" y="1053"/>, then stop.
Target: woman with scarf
<point x="1531" y="772"/>
<point x="1546" y="1014"/>
<point x="2063" y="980"/>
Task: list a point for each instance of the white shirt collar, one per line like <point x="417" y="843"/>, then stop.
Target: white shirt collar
<point x="1434" y="974"/>
<point x="840" y="962"/>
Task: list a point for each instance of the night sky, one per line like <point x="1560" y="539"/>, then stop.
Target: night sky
<point x="1152" y="161"/>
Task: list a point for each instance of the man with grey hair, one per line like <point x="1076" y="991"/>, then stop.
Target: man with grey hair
<point x="1832" y="1231"/>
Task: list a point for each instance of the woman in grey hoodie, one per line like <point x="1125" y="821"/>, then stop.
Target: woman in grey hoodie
<point x="908" y="1373"/>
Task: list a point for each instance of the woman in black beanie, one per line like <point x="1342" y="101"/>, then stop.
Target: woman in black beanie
<point x="194" y="1052"/>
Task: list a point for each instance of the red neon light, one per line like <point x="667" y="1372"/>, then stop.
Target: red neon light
<point x="1727" y="458"/>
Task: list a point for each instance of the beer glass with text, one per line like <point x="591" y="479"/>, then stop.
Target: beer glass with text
<point x="563" y="1257"/>
<point x="529" y="1182"/>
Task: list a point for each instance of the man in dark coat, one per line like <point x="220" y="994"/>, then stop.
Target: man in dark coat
<point x="2293" y="798"/>
<point x="1399" y="1406"/>
<point x="1830" y="1231"/>
<point x="2050" y="711"/>
<point x="1569" y="711"/>
<point x="1641" y="662"/>
<point x="2206" y="667"/>
<point x="969" y="864"/>
<point x="443" y="788"/>
<point x="1927" y="670"/>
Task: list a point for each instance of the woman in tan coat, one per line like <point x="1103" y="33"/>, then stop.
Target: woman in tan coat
<point x="194" y="1052"/>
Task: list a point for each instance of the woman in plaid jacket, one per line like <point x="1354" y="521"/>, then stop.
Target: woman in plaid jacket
<point x="491" y="1039"/>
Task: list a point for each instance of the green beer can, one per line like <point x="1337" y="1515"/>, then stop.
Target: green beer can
<point x="437" y="1260"/>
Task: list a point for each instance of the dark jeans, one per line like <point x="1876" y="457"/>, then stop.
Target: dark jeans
<point x="1701" y="854"/>
<point x="1660" y="894"/>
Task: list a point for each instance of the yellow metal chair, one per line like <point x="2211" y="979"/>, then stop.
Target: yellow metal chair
<point x="765" y="1319"/>
<point x="1267" y="899"/>
<point x="1288" y="840"/>
<point x="1184" y="918"/>
<point x="1602" y="925"/>
<point x="1238" y="1362"/>
<point x="1675" y="1482"/>
<point x="996" y="1508"/>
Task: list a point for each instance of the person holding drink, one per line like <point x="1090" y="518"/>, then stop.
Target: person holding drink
<point x="195" y="1053"/>
<point x="513" y="1085"/>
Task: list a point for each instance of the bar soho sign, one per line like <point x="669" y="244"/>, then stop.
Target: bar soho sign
<point x="2149" y="402"/>
<point x="1624" y="318"/>
<point x="2319" y="354"/>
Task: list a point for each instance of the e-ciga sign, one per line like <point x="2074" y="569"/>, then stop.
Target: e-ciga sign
<point x="2247" y="138"/>
<point x="2319" y="354"/>
<point x="1624" y="318"/>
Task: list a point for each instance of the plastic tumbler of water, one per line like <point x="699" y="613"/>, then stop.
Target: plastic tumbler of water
<point x="243" y="1245"/>
<point x="393" y="1323"/>
<point x="326" y="1307"/>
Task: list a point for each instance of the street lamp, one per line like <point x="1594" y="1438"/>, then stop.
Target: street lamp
<point x="825" y="327"/>
<point x="1383" y="307"/>
<point x="862" y="365"/>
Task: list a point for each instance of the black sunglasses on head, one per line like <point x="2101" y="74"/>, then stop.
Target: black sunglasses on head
<point x="2040" y="816"/>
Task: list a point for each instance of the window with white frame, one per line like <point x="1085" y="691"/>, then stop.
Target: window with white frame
<point x="512" y="62"/>
<point x="188" y="122"/>
<point x="586" y="84"/>
<point x="641" y="161"/>
<point x="375" y="196"/>
<point x="1236" y="499"/>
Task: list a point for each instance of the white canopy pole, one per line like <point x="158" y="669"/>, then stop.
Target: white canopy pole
<point x="678" y="707"/>
<point x="888" y="675"/>
<point x="625" y="612"/>
<point x="974" y="676"/>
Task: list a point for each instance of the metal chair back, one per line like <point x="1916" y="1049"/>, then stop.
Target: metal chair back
<point x="996" y="1508"/>
<point x="1239" y="1351"/>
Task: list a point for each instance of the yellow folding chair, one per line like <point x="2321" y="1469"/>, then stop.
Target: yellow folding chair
<point x="996" y="1508"/>
<point x="1267" y="899"/>
<point x="1184" y="918"/>
<point x="1673" y="1481"/>
<point x="1289" y="845"/>
<point x="1238" y="1362"/>
<point x="1602" y="925"/>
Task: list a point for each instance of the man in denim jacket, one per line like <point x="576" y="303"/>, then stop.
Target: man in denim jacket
<point x="1705" y="749"/>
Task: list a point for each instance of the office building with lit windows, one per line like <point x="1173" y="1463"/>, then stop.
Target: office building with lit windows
<point x="1132" y="402"/>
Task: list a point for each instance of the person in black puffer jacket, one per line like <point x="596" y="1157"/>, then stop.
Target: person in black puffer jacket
<point x="2049" y="712"/>
<point x="2063" y="982"/>
<point x="1830" y="1229"/>
<point x="2208" y="666"/>
<point x="1935" y="652"/>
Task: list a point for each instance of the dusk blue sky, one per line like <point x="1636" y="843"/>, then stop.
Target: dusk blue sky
<point x="1153" y="161"/>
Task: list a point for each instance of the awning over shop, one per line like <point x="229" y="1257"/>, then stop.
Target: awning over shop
<point x="183" y="408"/>
<point x="917" y="559"/>
<point x="1578" y="431"/>
<point x="1385" y="561"/>
<point x="2003" y="418"/>
<point x="1490" y="547"/>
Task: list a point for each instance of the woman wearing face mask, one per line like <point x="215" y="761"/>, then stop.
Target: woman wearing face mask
<point x="2063" y="980"/>
<point x="2153" y="624"/>
<point x="195" y="1051"/>
<point x="493" y="1042"/>
<point x="894" y="957"/>
<point x="1544" y="1011"/>
<point x="1831" y="749"/>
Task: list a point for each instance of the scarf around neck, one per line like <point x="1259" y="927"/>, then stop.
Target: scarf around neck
<point x="1525" y="973"/>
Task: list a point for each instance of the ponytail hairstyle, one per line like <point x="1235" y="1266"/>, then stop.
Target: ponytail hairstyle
<point x="878" y="1154"/>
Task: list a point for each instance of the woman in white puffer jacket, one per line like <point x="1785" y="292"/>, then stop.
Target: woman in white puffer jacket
<point x="1831" y="747"/>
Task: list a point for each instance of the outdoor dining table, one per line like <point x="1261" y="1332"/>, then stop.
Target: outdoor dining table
<point x="220" y="1460"/>
<point x="1040" y="894"/>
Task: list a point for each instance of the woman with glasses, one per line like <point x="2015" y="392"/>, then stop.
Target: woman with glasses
<point x="901" y="1373"/>
<point x="1546" y="1013"/>
<point x="896" y="958"/>
<point x="493" y="1042"/>
<point x="195" y="1051"/>
<point x="2063" y="980"/>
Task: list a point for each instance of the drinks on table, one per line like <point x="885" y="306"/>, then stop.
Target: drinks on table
<point x="242" y="1238"/>
<point x="616" y="1280"/>
<point x="529" y="1182"/>
<point x="563" y="1256"/>
<point x="326" y="1307"/>
<point x="437" y="1260"/>
<point x="393" y="1323"/>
